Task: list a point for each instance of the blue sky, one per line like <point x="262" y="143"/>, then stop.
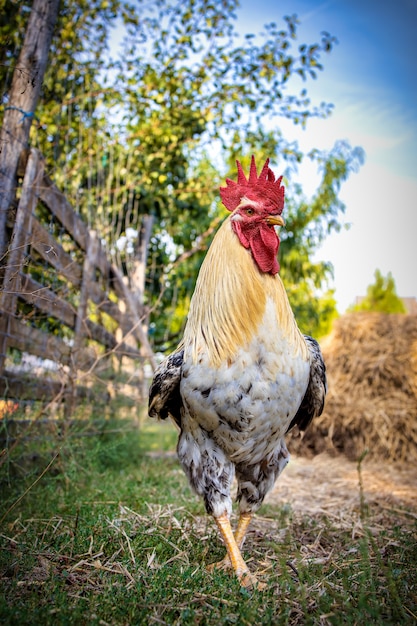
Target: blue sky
<point x="371" y="78"/>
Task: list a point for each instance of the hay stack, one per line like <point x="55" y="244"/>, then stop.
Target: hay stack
<point x="371" y="361"/>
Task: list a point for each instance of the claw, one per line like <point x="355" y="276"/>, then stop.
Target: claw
<point x="249" y="581"/>
<point x="224" y="565"/>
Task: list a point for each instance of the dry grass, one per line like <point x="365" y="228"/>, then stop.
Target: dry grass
<point x="334" y="544"/>
<point x="371" y="405"/>
<point x="316" y="569"/>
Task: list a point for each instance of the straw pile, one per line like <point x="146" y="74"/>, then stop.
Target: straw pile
<point x="371" y="405"/>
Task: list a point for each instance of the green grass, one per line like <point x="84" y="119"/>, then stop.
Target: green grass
<point x="100" y="527"/>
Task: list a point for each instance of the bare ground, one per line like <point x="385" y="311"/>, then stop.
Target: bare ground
<point x="334" y="486"/>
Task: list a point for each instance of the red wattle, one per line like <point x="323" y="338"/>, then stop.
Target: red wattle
<point x="263" y="243"/>
<point x="264" y="246"/>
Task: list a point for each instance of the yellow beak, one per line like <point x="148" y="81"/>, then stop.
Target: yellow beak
<point x="275" y="220"/>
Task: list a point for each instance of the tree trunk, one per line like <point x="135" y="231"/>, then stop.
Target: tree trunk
<point x="24" y="94"/>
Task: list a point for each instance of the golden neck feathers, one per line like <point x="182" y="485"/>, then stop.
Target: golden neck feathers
<point x="229" y="301"/>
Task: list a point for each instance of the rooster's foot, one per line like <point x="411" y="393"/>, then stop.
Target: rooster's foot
<point x="247" y="580"/>
<point x="224" y="565"/>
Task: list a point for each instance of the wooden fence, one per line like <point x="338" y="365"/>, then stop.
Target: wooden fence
<point x="64" y="301"/>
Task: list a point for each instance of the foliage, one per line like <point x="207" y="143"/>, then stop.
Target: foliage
<point x="381" y="296"/>
<point x="150" y="127"/>
<point x="103" y="530"/>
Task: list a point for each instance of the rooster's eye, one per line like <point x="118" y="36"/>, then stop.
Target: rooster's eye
<point x="249" y="211"/>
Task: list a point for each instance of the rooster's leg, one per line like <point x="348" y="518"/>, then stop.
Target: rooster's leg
<point x="239" y="535"/>
<point x="232" y="542"/>
<point x="242" y="527"/>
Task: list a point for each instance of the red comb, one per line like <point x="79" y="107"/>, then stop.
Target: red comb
<point x="263" y="188"/>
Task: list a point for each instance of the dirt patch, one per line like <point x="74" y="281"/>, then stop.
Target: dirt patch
<point x="333" y="486"/>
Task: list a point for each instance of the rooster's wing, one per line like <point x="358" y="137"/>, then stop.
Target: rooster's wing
<point x="164" y="393"/>
<point x="313" y="401"/>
